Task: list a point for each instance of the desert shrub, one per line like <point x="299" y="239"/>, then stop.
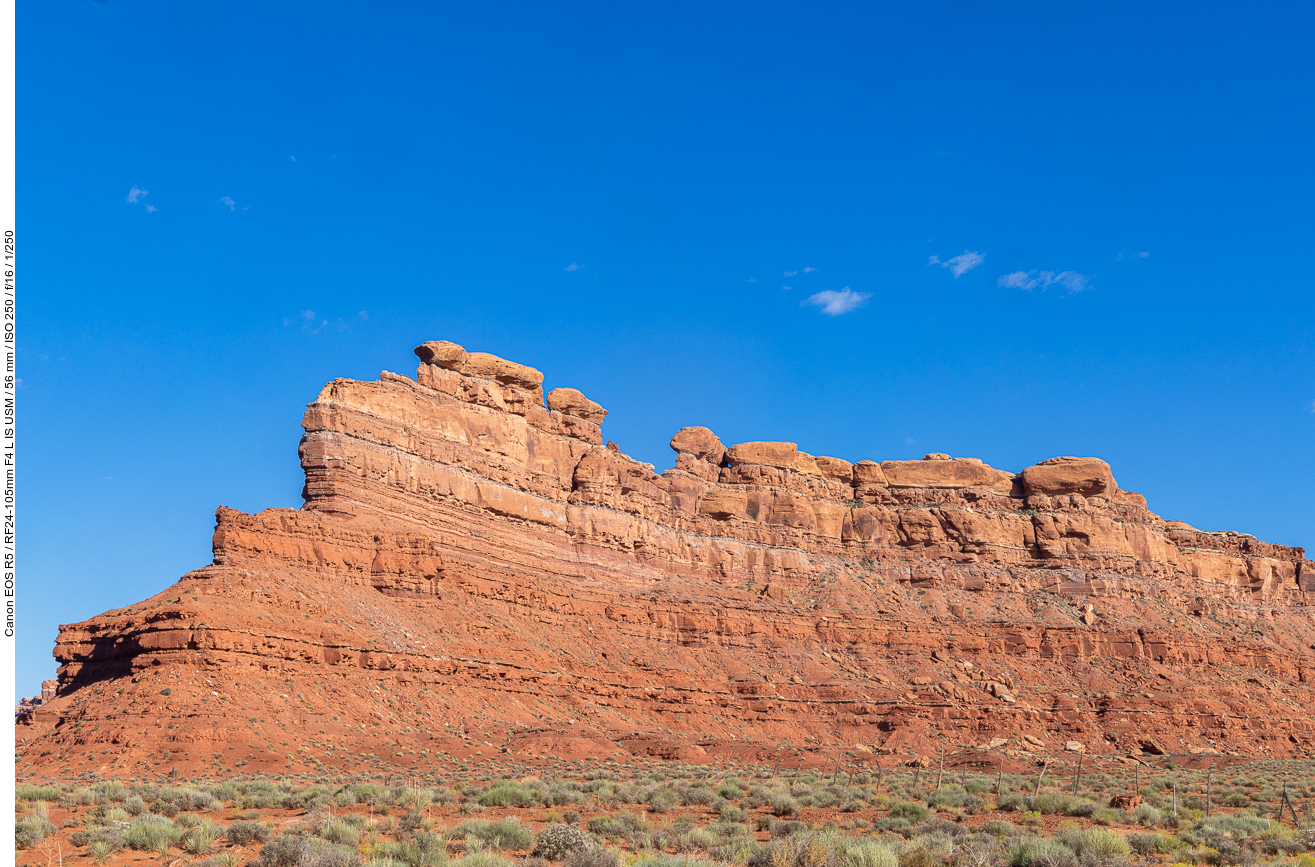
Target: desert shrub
<point x="787" y="829"/>
<point x="199" y="839"/>
<point x="482" y="859"/>
<point x="243" y="833"/>
<point x="338" y="831"/>
<point x="605" y="826"/>
<point x="1104" y="844"/>
<point x="909" y="810"/>
<point x="151" y="833"/>
<point x="27" y="792"/>
<point x="508" y="794"/>
<point x="502" y="834"/>
<point x="187" y="821"/>
<point x="31" y="830"/>
<point x="593" y="856"/>
<point x="663" y="800"/>
<point x="300" y="851"/>
<point x="979" y="850"/>
<point x="1148" y="844"/>
<point x="730" y="791"/>
<point x="784" y="805"/>
<point x="697" y="796"/>
<point x="110" y="835"/>
<point x="134" y="805"/>
<point x="556" y="841"/>
<point x="894" y="825"/>
<point x="978" y="786"/>
<point x="1038" y="852"/>
<point x="1011" y="804"/>
<point x="947" y="796"/>
<point x="999" y="828"/>
<point x="867" y="853"/>
<point x="1145" y="814"/>
<point x="731" y="813"/>
<point x="112" y="790"/>
<point x="424" y="849"/>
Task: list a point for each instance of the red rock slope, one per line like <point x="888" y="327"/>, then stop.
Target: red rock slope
<point x="473" y="572"/>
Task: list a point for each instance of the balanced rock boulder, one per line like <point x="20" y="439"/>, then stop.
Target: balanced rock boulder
<point x="569" y="401"/>
<point x="1090" y="477"/>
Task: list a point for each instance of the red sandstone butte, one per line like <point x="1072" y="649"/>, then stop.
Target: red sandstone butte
<point x="475" y="572"/>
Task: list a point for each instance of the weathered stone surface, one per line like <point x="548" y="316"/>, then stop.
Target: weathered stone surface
<point x="492" y="565"/>
<point x="699" y="442"/>
<point x="768" y="454"/>
<point x="569" y="401"/>
<point x="942" y="471"/>
<point x="442" y="353"/>
<point x="1090" y="477"/>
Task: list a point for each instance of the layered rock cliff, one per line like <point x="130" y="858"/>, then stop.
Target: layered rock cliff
<point x="475" y="571"/>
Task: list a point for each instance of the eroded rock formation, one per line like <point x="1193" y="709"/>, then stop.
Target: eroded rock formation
<point x="474" y="570"/>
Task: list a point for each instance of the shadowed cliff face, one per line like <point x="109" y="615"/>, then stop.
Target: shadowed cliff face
<point x="475" y="571"/>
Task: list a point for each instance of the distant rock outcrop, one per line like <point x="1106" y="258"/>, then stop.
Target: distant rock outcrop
<point x="475" y="571"/>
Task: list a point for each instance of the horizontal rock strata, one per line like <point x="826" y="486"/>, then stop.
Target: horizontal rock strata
<point x="475" y="572"/>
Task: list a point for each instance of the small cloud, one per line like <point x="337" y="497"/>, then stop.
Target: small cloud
<point x="363" y="315"/>
<point x="135" y="195"/>
<point x="225" y="200"/>
<point x="751" y="280"/>
<point x="572" y="267"/>
<point x="151" y="209"/>
<point x="835" y="303"/>
<point x="908" y="441"/>
<point x="961" y="264"/>
<point x="791" y="273"/>
<point x="1029" y="280"/>
<point x="809" y="270"/>
<point x="308" y="315"/>
<point x="1143" y="255"/>
<point x="787" y="287"/>
<point x="1121" y="256"/>
<point x="1312" y="404"/>
<point x="294" y="159"/>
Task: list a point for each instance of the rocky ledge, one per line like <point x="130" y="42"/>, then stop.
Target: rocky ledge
<point x="475" y="571"/>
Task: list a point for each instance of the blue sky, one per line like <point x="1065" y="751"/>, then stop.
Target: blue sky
<point x="1005" y="231"/>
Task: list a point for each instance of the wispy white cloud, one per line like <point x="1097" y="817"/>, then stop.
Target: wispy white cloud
<point x="572" y="267"/>
<point x="363" y="314"/>
<point x="809" y="270"/>
<point x="961" y="264"/>
<point x="1029" y="280"/>
<point x="151" y="209"/>
<point x="1132" y="256"/>
<point x="787" y="287"/>
<point x="751" y="280"/>
<point x="225" y="200"/>
<point x="790" y="273"/>
<point x="135" y="195"/>
<point x="835" y="303"/>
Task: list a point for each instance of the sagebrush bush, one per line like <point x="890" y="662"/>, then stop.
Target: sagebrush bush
<point x="910" y="811"/>
<point x="31" y="830"/>
<point x="242" y="833"/>
<point x="593" y="856"/>
<point x="868" y="853"/>
<point x="784" y="805"/>
<point x="151" y="833"/>
<point x="555" y="842"/>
